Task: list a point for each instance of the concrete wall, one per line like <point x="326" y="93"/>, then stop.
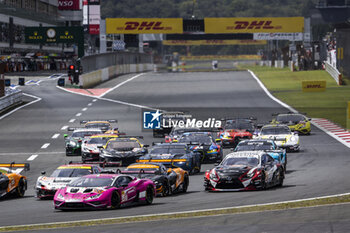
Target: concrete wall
<point x="95" y="77"/>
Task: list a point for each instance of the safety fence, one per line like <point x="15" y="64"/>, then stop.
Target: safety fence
<point x="11" y="99"/>
<point x="333" y="72"/>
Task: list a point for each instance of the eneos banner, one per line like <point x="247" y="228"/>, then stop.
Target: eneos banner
<point x="254" y="25"/>
<point x="68" y="5"/>
<point x="144" y="25"/>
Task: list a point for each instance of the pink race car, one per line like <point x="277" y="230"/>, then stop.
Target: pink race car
<point x="104" y="191"/>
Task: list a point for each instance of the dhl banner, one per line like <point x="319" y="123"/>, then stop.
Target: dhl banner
<point x="313" y="86"/>
<point x="214" y="42"/>
<point x="143" y="25"/>
<point x="254" y="25"/>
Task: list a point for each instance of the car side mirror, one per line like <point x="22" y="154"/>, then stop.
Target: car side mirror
<point x="100" y="147"/>
<point x="146" y="145"/>
<point x="65" y="135"/>
<point x="218" y="140"/>
<point x="43" y="172"/>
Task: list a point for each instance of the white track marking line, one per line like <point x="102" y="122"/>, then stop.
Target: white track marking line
<point x="55" y="136"/>
<point x="188" y="213"/>
<point x="295" y="111"/>
<point x="121" y="84"/>
<point x="32" y="157"/>
<point x="110" y="100"/>
<point x="19" y="170"/>
<point x="64" y="127"/>
<point x="84" y="109"/>
<point x="78" y="114"/>
<point x="46" y="145"/>
<point x="39" y="153"/>
<point x="71" y="120"/>
<point x="34" y="101"/>
<point x="89" y="104"/>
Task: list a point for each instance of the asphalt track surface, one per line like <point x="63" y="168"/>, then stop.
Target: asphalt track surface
<point x="319" y="169"/>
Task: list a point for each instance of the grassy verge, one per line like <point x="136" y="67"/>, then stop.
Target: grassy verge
<point x="286" y="86"/>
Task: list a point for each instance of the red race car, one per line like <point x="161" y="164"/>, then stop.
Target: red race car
<point x="235" y="130"/>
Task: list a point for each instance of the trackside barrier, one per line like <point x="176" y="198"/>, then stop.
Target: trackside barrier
<point x="334" y="73"/>
<point x="95" y="77"/>
<point x="11" y="99"/>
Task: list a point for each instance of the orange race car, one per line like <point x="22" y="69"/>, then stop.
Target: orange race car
<point x="11" y="182"/>
<point x="167" y="180"/>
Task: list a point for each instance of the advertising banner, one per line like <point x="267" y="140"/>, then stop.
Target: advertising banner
<point x="37" y="35"/>
<point x="313" y="86"/>
<point x="68" y="5"/>
<point x="297" y="36"/>
<point x="143" y="25"/>
<point x="254" y="25"/>
<point x="214" y="42"/>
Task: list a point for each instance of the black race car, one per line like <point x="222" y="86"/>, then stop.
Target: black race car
<point x="165" y="118"/>
<point x="167" y="180"/>
<point x="125" y="150"/>
<point x="174" y="155"/>
<point x="248" y="170"/>
<point x="204" y="143"/>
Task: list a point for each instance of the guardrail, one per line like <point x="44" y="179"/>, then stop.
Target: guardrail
<point x="333" y="72"/>
<point x="10" y="100"/>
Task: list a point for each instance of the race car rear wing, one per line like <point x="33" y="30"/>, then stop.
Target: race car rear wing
<point x="14" y="165"/>
<point x="251" y="118"/>
<point x="128" y="136"/>
<point x="102" y="164"/>
<point x="86" y="121"/>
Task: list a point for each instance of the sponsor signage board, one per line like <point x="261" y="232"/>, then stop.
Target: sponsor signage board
<point x="254" y="25"/>
<point x="68" y="5"/>
<point x="296" y="36"/>
<point x="35" y="35"/>
<point x="314" y="86"/>
<point x="144" y="25"/>
<point x="214" y="42"/>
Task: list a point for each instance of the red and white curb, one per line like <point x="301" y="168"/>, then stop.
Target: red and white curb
<point x="333" y="130"/>
<point x="330" y="128"/>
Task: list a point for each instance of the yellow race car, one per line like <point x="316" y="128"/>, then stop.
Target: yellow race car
<point x="11" y="181"/>
<point x="167" y="180"/>
<point x="90" y="148"/>
<point x="295" y="121"/>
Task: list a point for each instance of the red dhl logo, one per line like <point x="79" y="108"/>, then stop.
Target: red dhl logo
<point x="313" y="86"/>
<point x="152" y="25"/>
<point x="262" y="24"/>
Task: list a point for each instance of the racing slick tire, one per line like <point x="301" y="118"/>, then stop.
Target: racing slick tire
<point x="263" y="182"/>
<point x="21" y="188"/>
<point x="115" y="200"/>
<point x="149" y="195"/>
<point x="166" y="191"/>
<point x="185" y="184"/>
<point x="281" y="179"/>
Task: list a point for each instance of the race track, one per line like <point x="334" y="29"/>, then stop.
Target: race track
<point x="319" y="169"/>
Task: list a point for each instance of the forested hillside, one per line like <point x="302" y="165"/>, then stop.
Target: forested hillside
<point x="204" y="8"/>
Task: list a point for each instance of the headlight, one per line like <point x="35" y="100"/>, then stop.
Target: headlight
<point x="213" y="150"/>
<point x="39" y="184"/>
<point x="72" y="143"/>
<point x="60" y="196"/>
<point x="213" y="175"/>
<point x="293" y="139"/>
<point x="156" y="182"/>
<point x="94" y="196"/>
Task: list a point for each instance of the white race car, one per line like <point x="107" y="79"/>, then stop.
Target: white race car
<point x="282" y="135"/>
